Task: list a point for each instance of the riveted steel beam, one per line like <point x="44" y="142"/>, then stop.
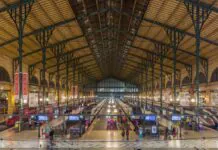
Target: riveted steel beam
<point x="64" y="54"/>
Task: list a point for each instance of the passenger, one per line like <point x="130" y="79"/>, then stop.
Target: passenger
<point x="51" y="135"/>
<point x="166" y="133"/>
<point x="127" y="131"/>
<point x="174" y="132"/>
<point x="123" y="133"/>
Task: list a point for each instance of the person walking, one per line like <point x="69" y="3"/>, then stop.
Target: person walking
<point x="127" y="131"/>
<point x="123" y="133"/>
<point x="51" y="135"/>
<point x="166" y="133"/>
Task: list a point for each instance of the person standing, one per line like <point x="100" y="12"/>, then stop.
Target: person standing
<point x="166" y="133"/>
<point x="127" y="131"/>
<point x="51" y="135"/>
<point x="123" y="133"/>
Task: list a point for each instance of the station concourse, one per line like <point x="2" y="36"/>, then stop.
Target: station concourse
<point x="108" y="74"/>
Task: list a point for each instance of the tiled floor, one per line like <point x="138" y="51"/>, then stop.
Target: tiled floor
<point x="98" y="137"/>
<point x="185" y="144"/>
<point x="98" y="130"/>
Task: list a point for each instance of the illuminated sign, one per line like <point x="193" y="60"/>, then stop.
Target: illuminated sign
<point x="42" y="118"/>
<point x="73" y="118"/>
<point x="176" y="118"/>
<point x="150" y="118"/>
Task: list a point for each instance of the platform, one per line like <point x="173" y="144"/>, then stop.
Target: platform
<point x="98" y="130"/>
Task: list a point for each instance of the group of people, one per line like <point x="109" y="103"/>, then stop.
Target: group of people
<point x="111" y="124"/>
<point x="170" y="134"/>
<point x="125" y="126"/>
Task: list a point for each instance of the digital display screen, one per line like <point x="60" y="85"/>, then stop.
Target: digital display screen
<point x="73" y="118"/>
<point x="176" y="117"/>
<point x="43" y="118"/>
<point x="150" y="118"/>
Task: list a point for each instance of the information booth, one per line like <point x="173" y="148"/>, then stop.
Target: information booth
<point x="75" y="125"/>
<point x="43" y="127"/>
<point x="176" y="129"/>
<point x="150" y="125"/>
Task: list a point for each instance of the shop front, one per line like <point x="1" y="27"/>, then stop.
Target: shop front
<point x="6" y="103"/>
<point x="33" y="96"/>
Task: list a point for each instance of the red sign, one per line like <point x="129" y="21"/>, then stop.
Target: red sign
<point x="25" y="87"/>
<point x="16" y="85"/>
<point x="25" y="84"/>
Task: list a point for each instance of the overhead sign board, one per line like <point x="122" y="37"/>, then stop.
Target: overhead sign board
<point x="73" y="118"/>
<point x="42" y="118"/>
<point x="176" y="118"/>
<point x="150" y="118"/>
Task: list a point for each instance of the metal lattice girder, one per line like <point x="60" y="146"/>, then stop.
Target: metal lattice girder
<point x="66" y="53"/>
<point x="158" y="42"/>
<point x="140" y="69"/>
<point x="71" y="61"/>
<point x="203" y="5"/>
<point x="168" y="26"/>
<point x="30" y="71"/>
<point x="155" y="62"/>
<point x="75" y="68"/>
<point x="156" y="54"/>
<point x="179" y="30"/>
<point x="20" y="11"/>
<point x="166" y="72"/>
<point x="51" y="45"/>
<point x="61" y="23"/>
<point x="50" y="76"/>
<point x="85" y="62"/>
<point x="192" y="54"/>
<point x="89" y="71"/>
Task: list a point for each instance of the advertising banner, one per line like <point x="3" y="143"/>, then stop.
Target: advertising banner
<point x="25" y="84"/>
<point x="33" y="99"/>
<point x="16" y="86"/>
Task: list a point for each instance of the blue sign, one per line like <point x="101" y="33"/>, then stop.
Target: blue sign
<point x="42" y="118"/>
<point x="154" y="129"/>
<point x="150" y="118"/>
<point x="73" y="118"/>
<point x="176" y="118"/>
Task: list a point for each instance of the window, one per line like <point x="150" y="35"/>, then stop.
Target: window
<point x="57" y="85"/>
<point x="169" y="84"/>
<point x="63" y="86"/>
<point x="51" y="84"/>
<point x="186" y="81"/>
<point x="4" y="76"/>
<point x="44" y="83"/>
<point x="214" y="76"/>
<point x="34" y="81"/>
<point x="177" y="82"/>
<point x="202" y="78"/>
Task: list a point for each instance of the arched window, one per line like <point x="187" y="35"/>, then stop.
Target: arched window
<point x="44" y="83"/>
<point x="169" y="84"/>
<point x="63" y="86"/>
<point x="177" y="82"/>
<point x="4" y="76"/>
<point x="214" y="76"/>
<point x="51" y="84"/>
<point x="34" y="81"/>
<point x="202" y="78"/>
<point x="157" y="86"/>
<point x="186" y="81"/>
<point x="57" y="85"/>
